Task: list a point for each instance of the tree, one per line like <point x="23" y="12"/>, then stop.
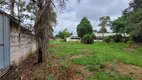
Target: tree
<point x="84" y="27"/>
<point x="63" y="34"/>
<point x="118" y="25"/>
<point x="44" y="22"/>
<point x="133" y="17"/>
<point x="104" y="21"/>
<point x="103" y="30"/>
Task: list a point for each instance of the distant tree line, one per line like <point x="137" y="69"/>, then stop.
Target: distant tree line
<point x="63" y="35"/>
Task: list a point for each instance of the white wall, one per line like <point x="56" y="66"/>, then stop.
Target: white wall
<point x="20" y="48"/>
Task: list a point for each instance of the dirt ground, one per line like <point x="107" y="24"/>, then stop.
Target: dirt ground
<point x="125" y="69"/>
<point x="30" y="70"/>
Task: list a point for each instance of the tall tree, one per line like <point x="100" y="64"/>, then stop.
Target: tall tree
<point x="44" y="21"/>
<point x="84" y="27"/>
<point x="133" y="17"/>
<point x="104" y="21"/>
<point x="64" y="34"/>
<point x="118" y="25"/>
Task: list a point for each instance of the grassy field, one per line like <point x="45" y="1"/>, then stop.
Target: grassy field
<point x="114" y="61"/>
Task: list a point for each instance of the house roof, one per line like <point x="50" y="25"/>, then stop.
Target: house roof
<point x="109" y="34"/>
<point x="74" y="36"/>
<point x="100" y="35"/>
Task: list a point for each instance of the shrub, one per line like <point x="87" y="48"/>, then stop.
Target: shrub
<point x="117" y="38"/>
<point x="93" y="36"/>
<point x="137" y="38"/>
<point x="126" y="39"/>
<point x="108" y="39"/>
<point x="88" y="39"/>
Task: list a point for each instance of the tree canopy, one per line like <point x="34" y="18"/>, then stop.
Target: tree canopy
<point x="84" y="27"/>
<point x="63" y="34"/>
<point x="104" y="21"/>
<point x="118" y="25"/>
<point x="133" y="17"/>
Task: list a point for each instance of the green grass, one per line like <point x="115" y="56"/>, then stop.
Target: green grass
<point x="101" y="52"/>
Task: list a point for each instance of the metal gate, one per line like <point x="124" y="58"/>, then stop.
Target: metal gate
<point x="4" y="43"/>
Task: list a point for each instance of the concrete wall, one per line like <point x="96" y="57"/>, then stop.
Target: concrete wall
<point x="20" y="45"/>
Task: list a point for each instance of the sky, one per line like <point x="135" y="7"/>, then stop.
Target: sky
<point x="92" y="9"/>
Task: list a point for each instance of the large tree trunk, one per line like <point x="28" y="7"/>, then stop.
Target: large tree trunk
<point x="42" y="33"/>
<point x="12" y="2"/>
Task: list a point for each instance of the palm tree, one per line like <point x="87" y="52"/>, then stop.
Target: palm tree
<point x="44" y="21"/>
<point x="104" y="21"/>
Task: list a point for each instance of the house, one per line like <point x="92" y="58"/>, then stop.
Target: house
<point x="99" y="35"/>
<point x="74" y="36"/>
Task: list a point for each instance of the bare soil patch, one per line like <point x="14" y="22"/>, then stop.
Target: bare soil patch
<point x="30" y="70"/>
<point x="54" y="46"/>
<point x="80" y="55"/>
<point x="125" y="69"/>
<point x="83" y="71"/>
<point x="129" y="49"/>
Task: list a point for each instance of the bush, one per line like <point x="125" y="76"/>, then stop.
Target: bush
<point x="88" y="39"/>
<point x="137" y="39"/>
<point x="93" y="36"/>
<point x="108" y="39"/>
<point x="117" y="38"/>
<point x="126" y="39"/>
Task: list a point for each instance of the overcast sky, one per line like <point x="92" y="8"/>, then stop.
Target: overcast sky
<point x="92" y="9"/>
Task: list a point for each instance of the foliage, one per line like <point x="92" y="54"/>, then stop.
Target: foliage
<point x="108" y="39"/>
<point x="118" y="25"/>
<point x="88" y="38"/>
<point x="103" y="30"/>
<point x="84" y="27"/>
<point x="133" y="17"/>
<point x="63" y="34"/>
<point x="117" y="38"/>
<point x="93" y="36"/>
<point x="136" y="26"/>
<point x="104" y="21"/>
